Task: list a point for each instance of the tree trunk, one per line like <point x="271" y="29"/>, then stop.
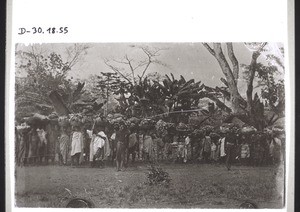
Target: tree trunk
<point x="249" y="91"/>
<point x="236" y="99"/>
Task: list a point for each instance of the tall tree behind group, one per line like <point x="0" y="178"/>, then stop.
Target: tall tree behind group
<point x="251" y="106"/>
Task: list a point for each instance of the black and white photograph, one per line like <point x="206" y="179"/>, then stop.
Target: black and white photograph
<point x="175" y="125"/>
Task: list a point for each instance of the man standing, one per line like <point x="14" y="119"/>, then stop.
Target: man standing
<point x="133" y="145"/>
<point x="121" y="136"/>
<point x="230" y="141"/>
<point x="187" y="147"/>
<point x="77" y="145"/>
<point x="206" y="145"/>
<point x="99" y="147"/>
<point x="63" y="146"/>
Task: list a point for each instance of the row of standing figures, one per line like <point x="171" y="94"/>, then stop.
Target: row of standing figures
<point x="41" y="145"/>
<point x="98" y="147"/>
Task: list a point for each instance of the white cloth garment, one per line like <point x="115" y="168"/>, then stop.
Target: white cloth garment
<point x="98" y="141"/>
<point x="113" y="136"/>
<point x="92" y="136"/>
<point x="106" y="146"/>
<point x="187" y="140"/>
<point x="42" y="135"/>
<point x="222" y="149"/>
<point x="77" y="143"/>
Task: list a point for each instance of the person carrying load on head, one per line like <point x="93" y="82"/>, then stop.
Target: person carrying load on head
<point x="133" y="145"/>
<point x="180" y="149"/>
<point x="99" y="146"/>
<point x="22" y="144"/>
<point x="222" y="147"/>
<point x="187" y="147"/>
<point x="121" y="138"/>
<point x="206" y="146"/>
<point x="148" y="146"/>
<point x="230" y="142"/>
<point x="276" y="148"/>
<point x="245" y="151"/>
<point x="114" y="142"/>
<point x="214" y="146"/>
<point x="76" y="145"/>
<point x="42" y="146"/>
<point x="34" y="141"/>
<point x="64" y="143"/>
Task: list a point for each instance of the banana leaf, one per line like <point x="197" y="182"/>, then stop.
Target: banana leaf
<point x="58" y="103"/>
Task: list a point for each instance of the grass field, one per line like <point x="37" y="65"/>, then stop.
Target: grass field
<point x="192" y="186"/>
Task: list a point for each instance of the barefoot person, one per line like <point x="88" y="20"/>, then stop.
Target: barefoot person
<point x="63" y="146"/>
<point x="77" y="145"/>
<point x="230" y="141"/>
<point x="121" y="137"/>
<point x="99" y="146"/>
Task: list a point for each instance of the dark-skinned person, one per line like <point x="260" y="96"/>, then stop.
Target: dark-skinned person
<point x="213" y="148"/>
<point x="180" y="149"/>
<point x="148" y="146"/>
<point x="133" y="144"/>
<point x="141" y="143"/>
<point x="230" y="141"/>
<point x="222" y="147"/>
<point x="121" y="136"/>
<point x="187" y="148"/>
<point x="245" y="151"/>
<point x="206" y="147"/>
<point x="114" y="142"/>
<point x="276" y="148"/>
<point x="64" y="143"/>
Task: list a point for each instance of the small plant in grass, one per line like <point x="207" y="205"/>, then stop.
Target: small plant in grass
<point x="157" y="176"/>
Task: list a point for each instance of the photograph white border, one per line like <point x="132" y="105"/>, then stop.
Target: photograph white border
<point x="103" y="21"/>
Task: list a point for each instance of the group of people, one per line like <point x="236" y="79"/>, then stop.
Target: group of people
<point x="257" y="148"/>
<point x="118" y="145"/>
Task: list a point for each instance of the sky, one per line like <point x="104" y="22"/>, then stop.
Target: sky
<point x="191" y="60"/>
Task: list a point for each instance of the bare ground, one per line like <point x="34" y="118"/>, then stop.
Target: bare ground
<point x="192" y="186"/>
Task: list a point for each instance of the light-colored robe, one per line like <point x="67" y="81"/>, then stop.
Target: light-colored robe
<point x="98" y="142"/>
<point x="77" y="143"/>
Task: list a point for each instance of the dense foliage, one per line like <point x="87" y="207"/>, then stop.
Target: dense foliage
<point x="144" y="95"/>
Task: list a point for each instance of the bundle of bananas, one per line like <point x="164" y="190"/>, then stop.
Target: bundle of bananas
<point x="160" y="127"/>
<point x="132" y="122"/>
<point x="248" y="129"/>
<point x="208" y="128"/>
<point x="198" y="133"/>
<point x="226" y="127"/>
<point x="53" y="116"/>
<point x="76" y="119"/>
<point x="37" y="120"/>
<point x="147" y="124"/>
<point x="63" y="121"/>
<point x="214" y="136"/>
<point x="181" y="127"/>
<point x="101" y="121"/>
<point x="116" y="118"/>
<point x="23" y="128"/>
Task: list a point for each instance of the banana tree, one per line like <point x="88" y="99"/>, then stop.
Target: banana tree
<point x="180" y="95"/>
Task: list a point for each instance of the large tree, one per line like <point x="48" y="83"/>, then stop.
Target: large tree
<point x="251" y="105"/>
<point x="231" y="72"/>
<point x="40" y="72"/>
